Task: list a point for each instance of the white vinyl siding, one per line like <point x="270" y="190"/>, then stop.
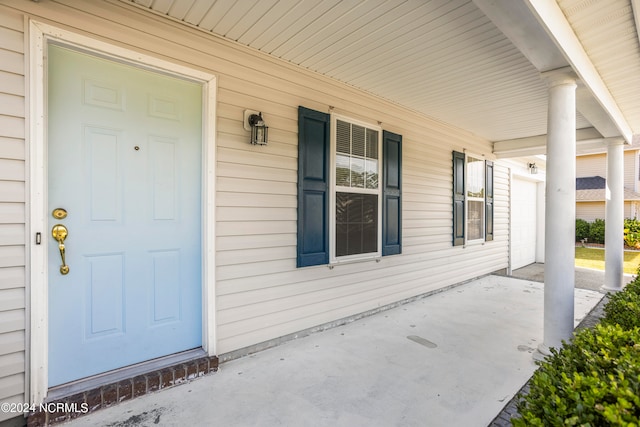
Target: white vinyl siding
<point x="596" y="165"/>
<point x="261" y="295"/>
<point x="590" y="211"/>
<point x="630" y="175"/>
<point x="12" y="210"/>
<point x="591" y="165"/>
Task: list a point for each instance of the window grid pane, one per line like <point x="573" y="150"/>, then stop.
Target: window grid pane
<point x="343" y="171"/>
<point x="343" y="137"/>
<point x="356" y="156"/>
<point x="356" y="223"/>
<point x="475" y="220"/>
<point x="475" y="177"/>
<point x="475" y="191"/>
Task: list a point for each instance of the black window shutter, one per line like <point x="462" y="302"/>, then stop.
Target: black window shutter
<point x="391" y="193"/>
<point x="313" y="187"/>
<point x="458" y="198"/>
<point x="488" y="235"/>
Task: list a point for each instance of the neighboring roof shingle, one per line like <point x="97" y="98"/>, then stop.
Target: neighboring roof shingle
<point x="593" y="189"/>
<point x="591" y="183"/>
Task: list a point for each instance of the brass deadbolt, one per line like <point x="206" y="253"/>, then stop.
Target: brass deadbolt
<point x="59" y="213"/>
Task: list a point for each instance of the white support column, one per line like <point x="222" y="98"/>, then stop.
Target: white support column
<point x="560" y="209"/>
<point x="614" y="218"/>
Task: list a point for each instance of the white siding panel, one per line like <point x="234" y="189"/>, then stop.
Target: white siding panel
<point x="12" y="234"/>
<point x="11" y="299"/>
<point x="12" y="277"/>
<point x="11" y="104"/>
<point x="252" y="241"/>
<point x="254" y="214"/>
<point x="596" y="165"/>
<point x="245" y="185"/>
<point x="591" y="165"/>
<point x="12" y="170"/>
<point x="11" y="83"/>
<point x="12" y="40"/>
<point x="261" y="294"/>
<point x="256" y="200"/>
<point x="12" y="213"/>
<point x="11" y="342"/>
<point x="12" y="127"/>
<point x="630" y="177"/>
<point x="11" y="148"/>
<point x="11" y="364"/>
<point x="11" y="321"/>
<point x="12" y="391"/>
<point x="12" y="209"/>
<point x="11" y="256"/>
<point x="259" y="173"/>
<point x="12" y="191"/>
<point x="11" y="20"/>
<point x="590" y="211"/>
<point x="12" y="62"/>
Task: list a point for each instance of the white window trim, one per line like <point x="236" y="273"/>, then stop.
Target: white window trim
<point x="467" y="199"/>
<point x="333" y="188"/>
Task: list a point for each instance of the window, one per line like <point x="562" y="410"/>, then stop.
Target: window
<point x="472" y="199"/>
<point x="475" y="199"/>
<point x="349" y="190"/>
<point x="356" y="197"/>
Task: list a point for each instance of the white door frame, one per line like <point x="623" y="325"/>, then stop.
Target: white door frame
<point x="37" y="310"/>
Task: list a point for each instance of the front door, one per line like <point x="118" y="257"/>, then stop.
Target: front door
<point x="124" y="151"/>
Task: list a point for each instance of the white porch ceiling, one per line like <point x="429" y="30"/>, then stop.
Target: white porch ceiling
<point x="444" y="58"/>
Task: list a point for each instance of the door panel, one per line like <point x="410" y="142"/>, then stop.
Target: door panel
<point x="124" y="160"/>
<point x="524" y="223"/>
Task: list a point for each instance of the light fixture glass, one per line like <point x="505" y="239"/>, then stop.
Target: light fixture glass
<point x="259" y="130"/>
<point x="533" y="169"/>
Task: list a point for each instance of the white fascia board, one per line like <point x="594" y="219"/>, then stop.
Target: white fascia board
<point x="553" y="20"/>
<point x="591" y="110"/>
<point x="587" y="140"/>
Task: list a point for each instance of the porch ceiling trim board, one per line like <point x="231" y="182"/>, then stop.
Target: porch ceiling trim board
<point x="517" y="22"/>
<point x="588" y="140"/>
<point x="554" y="21"/>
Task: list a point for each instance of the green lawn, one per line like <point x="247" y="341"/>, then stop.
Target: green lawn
<point x="594" y="258"/>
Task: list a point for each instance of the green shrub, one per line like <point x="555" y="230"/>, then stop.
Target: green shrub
<point x="632" y="239"/>
<point x="623" y="308"/>
<point x="596" y="231"/>
<point x="593" y="381"/>
<point x="582" y="229"/>
<point x="632" y="224"/>
<point x="633" y="286"/>
<point x="632" y="233"/>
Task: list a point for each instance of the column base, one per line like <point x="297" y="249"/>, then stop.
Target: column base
<point x="606" y="289"/>
<point x="541" y="353"/>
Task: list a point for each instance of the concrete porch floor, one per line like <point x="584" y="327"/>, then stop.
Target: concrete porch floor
<point x="586" y="278"/>
<point x="454" y="358"/>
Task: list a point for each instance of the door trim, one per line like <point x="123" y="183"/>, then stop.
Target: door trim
<point x="40" y="34"/>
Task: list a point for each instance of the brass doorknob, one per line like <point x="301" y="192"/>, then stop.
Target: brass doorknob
<point x="60" y="233"/>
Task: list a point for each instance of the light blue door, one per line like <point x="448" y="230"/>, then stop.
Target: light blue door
<point x="124" y="161"/>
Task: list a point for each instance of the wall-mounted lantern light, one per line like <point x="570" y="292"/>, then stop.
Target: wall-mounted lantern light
<point x="254" y="122"/>
<point x="533" y="169"/>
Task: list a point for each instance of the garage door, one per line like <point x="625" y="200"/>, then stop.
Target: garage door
<point x="523" y="229"/>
